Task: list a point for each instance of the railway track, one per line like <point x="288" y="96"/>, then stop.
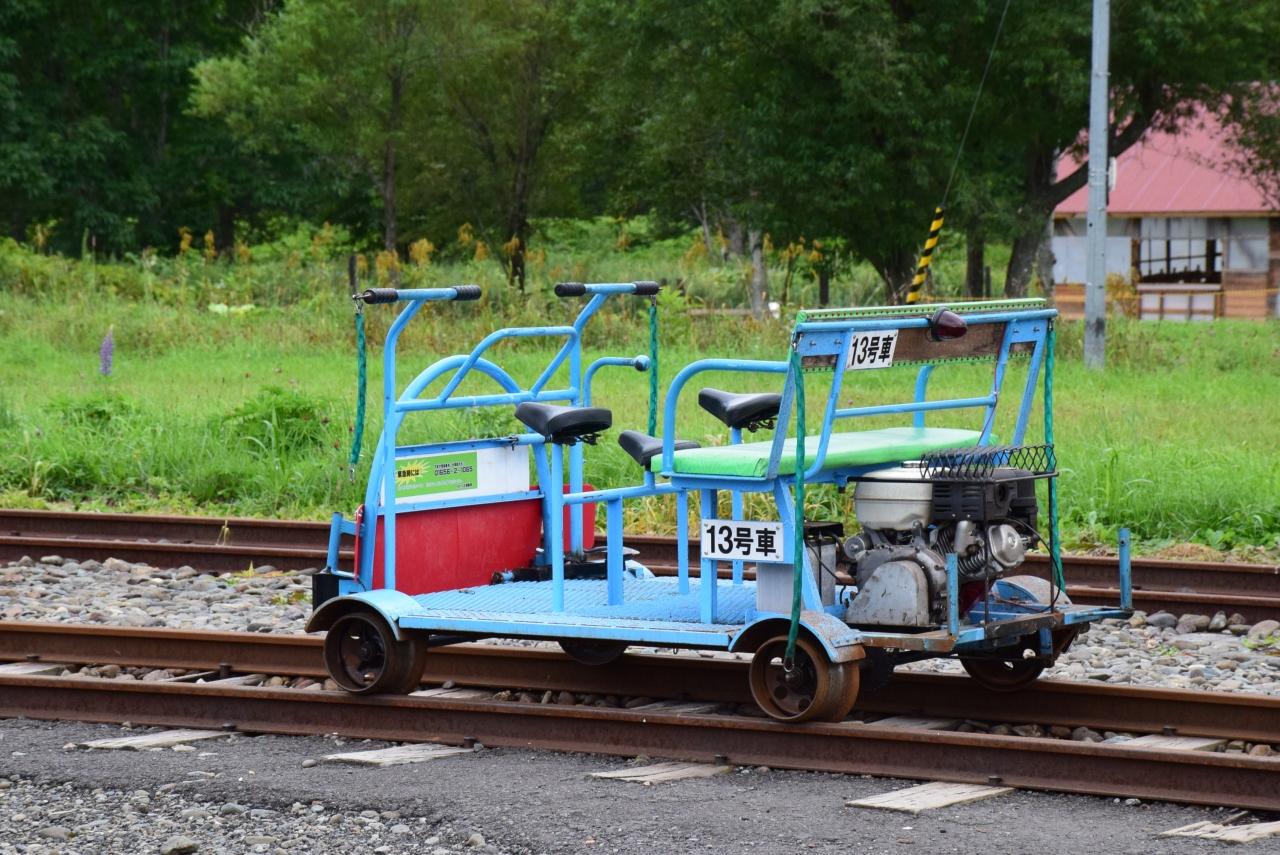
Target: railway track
<point x="218" y="545"/>
<point x="863" y="747"/>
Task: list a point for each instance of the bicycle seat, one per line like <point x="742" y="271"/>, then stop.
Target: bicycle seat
<point x="565" y="425"/>
<point x="644" y="448"/>
<point x="752" y="410"/>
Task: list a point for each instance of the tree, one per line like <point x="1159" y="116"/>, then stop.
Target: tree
<point x="704" y="119"/>
<point x="510" y="81"/>
<point x="94" y="137"/>
<point x="348" y="80"/>
<point x="1166" y="59"/>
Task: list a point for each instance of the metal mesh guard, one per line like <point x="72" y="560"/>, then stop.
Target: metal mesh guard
<point x="979" y="462"/>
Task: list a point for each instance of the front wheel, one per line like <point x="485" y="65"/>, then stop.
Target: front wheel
<point x="813" y="689"/>
<point x="363" y="656"/>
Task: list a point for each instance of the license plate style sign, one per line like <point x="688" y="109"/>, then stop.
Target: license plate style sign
<point x="872" y="350"/>
<point x="739" y="540"/>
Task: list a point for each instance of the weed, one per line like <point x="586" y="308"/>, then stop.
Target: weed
<point x="280" y="421"/>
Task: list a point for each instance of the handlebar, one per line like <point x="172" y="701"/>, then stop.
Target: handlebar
<point x="392" y="295"/>
<point x="578" y="289"/>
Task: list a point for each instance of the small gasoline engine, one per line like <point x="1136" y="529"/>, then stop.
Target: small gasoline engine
<point x="911" y="518"/>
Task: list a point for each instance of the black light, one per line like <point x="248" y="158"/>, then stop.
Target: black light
<point x="946" y="325"/>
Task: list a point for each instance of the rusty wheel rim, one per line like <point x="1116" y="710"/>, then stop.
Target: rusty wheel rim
<point x="357" y="653"/>
<point x="814" y="688"/>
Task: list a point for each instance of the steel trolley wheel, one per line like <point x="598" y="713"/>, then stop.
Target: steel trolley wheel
<point x="593" y="652"/>
<point x="815" y="689"/>
<point x="1003" y="675"/>
<point x="364" y="657"/>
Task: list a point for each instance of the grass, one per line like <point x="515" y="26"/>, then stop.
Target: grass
<point x="251" y="413"/>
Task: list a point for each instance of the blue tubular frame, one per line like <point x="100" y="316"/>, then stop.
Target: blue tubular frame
<point x="560" y="488"/>
<point x="379" y="500"/>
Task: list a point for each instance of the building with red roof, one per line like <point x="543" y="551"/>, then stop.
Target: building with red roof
<point x="1197" y="238"/>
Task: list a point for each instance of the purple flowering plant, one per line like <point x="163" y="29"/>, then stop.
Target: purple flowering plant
<point x="107" y="352"/>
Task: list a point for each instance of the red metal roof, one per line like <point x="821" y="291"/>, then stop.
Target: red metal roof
<point x="1180" y="173"/>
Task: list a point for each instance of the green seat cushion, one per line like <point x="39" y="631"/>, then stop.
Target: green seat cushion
<point x="856" y="448"/>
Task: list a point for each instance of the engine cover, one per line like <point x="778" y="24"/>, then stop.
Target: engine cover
<point x="896" y="594"/>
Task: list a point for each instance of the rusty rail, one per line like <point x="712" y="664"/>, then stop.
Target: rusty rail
<point x="1046" y="764"/>
<point x="1048" y="702"/>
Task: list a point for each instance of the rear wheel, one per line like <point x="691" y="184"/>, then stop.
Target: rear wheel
<point x="1003" y="675"/>
<point x="363" y="656"/>
<point x="813" y="689"/>
<point x="593" y="652"/>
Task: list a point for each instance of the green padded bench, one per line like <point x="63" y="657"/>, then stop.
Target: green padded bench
<point x="845" y="450"/>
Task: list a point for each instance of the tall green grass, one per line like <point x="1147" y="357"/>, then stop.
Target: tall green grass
<point x="251" y="413"/>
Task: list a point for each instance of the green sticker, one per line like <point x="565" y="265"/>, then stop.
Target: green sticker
<point x="436" y="473"/>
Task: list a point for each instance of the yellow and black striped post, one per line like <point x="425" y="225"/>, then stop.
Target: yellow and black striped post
<point x="926" y="257"/>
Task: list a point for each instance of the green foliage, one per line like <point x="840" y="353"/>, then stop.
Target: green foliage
<point x="280" y="421"/>
<point x="227" y="414"/>
<point x="99" y="412"/>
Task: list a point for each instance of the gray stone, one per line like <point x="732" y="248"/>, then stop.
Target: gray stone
<point x="1084" y="734"/>
<point x="179" y="845"/>
<point x="1264" y="629"/>
<point x="1164" y="620"/>
<point x="231" y="809"/>
<point x="1199" y="623"/>
<point x="1219" y="622"/>
<point x="54" y="560"/>
<point x="400" y="828"/>
<point x="1238" y="628"/>
<point x="308" y="763"/>
<point x="475" y="840"/>
<point x="54" y="832"/>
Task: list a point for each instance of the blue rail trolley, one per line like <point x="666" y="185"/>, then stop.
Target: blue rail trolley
<point x="495" y="537"/>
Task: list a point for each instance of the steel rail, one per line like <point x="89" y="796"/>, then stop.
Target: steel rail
<point x="1048" y="702"/>
<point x="1044" y="764"/>
<point x="231" y="544"/>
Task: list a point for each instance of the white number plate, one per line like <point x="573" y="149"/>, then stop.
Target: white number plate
<point x="741" y="540"/>
<point x="872" y="350"/>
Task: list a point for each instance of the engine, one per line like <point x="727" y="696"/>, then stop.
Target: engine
<point x="909" y="524"/>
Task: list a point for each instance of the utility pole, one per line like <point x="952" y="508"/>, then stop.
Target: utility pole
<point x="1095" y="289"/>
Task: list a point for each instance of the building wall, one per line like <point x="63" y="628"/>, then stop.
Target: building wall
<point x="1071" y="251"/>
<point x="1249" y="264"/>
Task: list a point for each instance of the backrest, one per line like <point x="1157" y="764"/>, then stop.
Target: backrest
<point x="833" y="342"/>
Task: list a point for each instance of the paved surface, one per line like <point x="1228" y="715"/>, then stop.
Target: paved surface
<point x="505" y="801"/>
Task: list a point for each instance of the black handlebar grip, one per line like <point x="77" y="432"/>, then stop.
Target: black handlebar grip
<point x="570" y="289"/>
<point x="467" y="292"/>
<point x="647" y="289"/>
<point x="380" y="295"/>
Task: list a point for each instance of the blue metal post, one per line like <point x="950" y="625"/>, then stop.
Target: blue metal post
<point x="335" y="541"/>
<point x="682" y="540"/>
<point x="613" y="523"/>
<point x="953" y="594"/>
<point x="707" y="580"/>
<point x="575" y="486"/>
<point x="922" y="391"/>
<point x="735" y="438"/>
<point x="554" y="494"/>
<point x="1126" y="575"/>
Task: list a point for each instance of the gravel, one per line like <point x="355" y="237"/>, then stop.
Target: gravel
<point x="44" y="818"/>
<point x="508" y="801"/>
<point x="1218" y="652"/>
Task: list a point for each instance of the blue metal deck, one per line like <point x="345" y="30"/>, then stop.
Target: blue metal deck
<point x="652" y="611"/>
